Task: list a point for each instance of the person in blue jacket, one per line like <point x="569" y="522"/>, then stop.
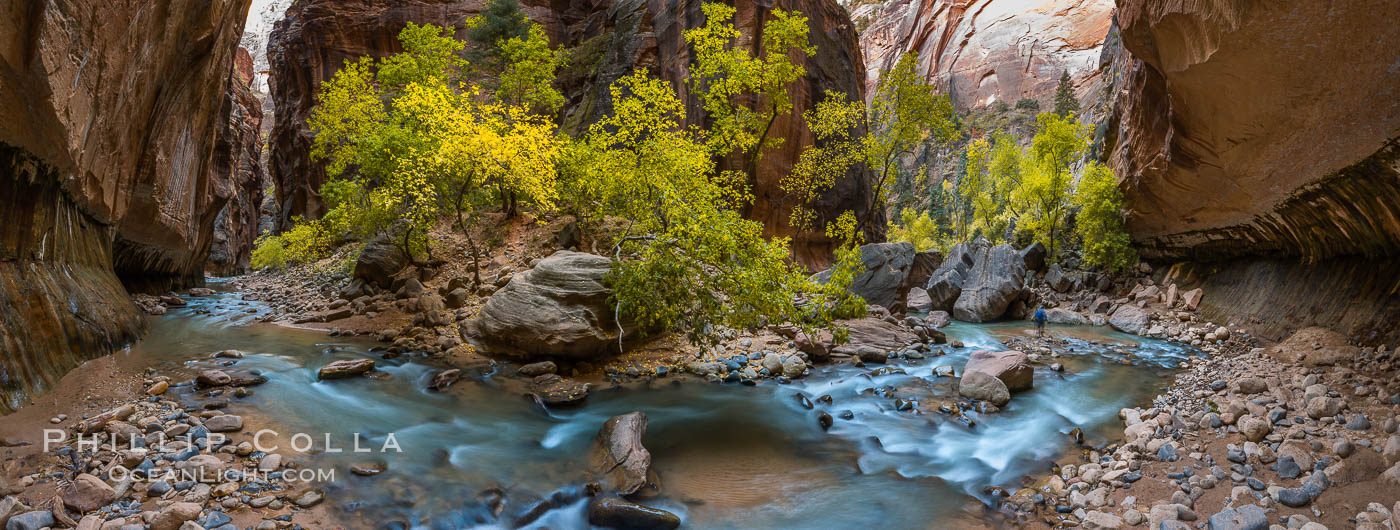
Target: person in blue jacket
<point x="1040" y="322"/>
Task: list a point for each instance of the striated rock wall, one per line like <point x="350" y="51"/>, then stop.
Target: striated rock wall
<point x="236" y="227"/>
<point x="616" y="36"/>
<point x="1248" y="128"/>
<point x="110" y="117"/>
<point x="990" y="50"/>
<point x="1260" y="143"/>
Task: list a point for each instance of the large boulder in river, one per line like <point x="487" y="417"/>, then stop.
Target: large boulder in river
<point x="984" y="387"/>
<point x="991" y="285"/>
<point x="1010" y="366"/>
<point x="884" y="267"/>
<point x="945" y="283"/>
<point x="918" y="300"/>
<point x="618" y="457"/>
<point x="1130" y="319"/>
<point x="615" y="512"/>
<point x="558" y="309"/>
<point x="874" y="333"/>
<point x="925" y="263"/>
<point x="379" y="261"/>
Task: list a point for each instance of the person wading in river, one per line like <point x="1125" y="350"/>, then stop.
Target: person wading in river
<point x="1040" y="322"/>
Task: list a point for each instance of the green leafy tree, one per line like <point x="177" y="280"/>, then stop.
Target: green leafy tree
<point x="834" y="123"/>
<point x="528" y="78"/>
<point x="916" y="228"/>
<point x="687" y="259"/>
<point x="408" y="138"/>
<point x="1045" y="184"/>
<point x="1066" y="104"/>
<point x="744" y="93"/>
<point x="1099" y="223"/>
<point x="905" y="113"/>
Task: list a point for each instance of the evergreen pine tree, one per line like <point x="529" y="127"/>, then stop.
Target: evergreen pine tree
<point x="1065" y="102"/>
<point x="501" y="21"/>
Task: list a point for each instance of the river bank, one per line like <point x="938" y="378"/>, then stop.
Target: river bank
<point x="1300" y="434"/>
<point x="884" y="413"/>
<point x="477" y="435"/>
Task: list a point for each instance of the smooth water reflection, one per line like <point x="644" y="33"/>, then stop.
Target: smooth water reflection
<point x="728" y="456"/>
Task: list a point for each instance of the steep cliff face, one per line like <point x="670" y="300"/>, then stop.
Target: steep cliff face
<point x="236" y="227"/>
<point x="1245" y="129"/>
<point x="110" y="114"/>
<point x="989" y="50"/>
<point x="1249" y="127"/>
<point x="616" y="36"/>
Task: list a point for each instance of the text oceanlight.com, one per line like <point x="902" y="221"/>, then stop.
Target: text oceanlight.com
<point x="265" y="441"/>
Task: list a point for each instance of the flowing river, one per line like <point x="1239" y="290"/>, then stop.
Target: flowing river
<point x="727" y="455"/>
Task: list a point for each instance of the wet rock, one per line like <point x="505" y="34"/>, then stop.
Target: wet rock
<point x="213" y="378"/>
<point x="946" y="282"/>
<point x="553" y="390"/>
<point x="559" y="308"/>
<point x="943" y="289"/>
<point x="1287" y="468"/>
<point x="938" y="319"/>
<point x="310" y="498"/>
<point x="704" y="368"/>
<point x="991" y="285"/>
<point x="824" y="420"/>
<point x="224" y="423"/>
<point x="1011" y="366"/>
<point x="369" y="469"/>
<point x="35" y="520"/>
<point x="983" y="387"/>
<point x="1247" y="517"/>
<point x="793" y="367"/>
<point x="772" y="362"/>
<point x="379" y="261"/>
<point x="345" y="368"/>
<point x="1294" y="497"/>
<point x="1358" y="422"/>
<point x="884" y="269"/>
<point x="204" y="468"/>
<point x="1061" y="315"/>
<point x="173" y="516"/>
<point x="618" y="455"/>
<point x="329" y="315"/>
<point x="918" y="301"/>
<point x="158" y="388"/>
<point x="1130" y="319"/>
<point x="614" y="512"/>
<point x="444" y="379"/>
<point x="88" y="493"/>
